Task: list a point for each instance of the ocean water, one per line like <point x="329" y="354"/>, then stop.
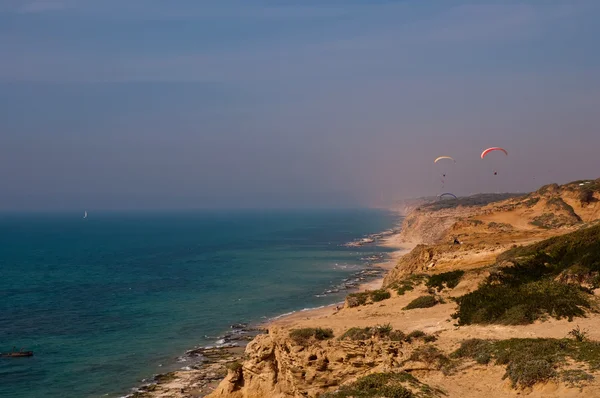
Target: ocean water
<point x="108" y="301"/>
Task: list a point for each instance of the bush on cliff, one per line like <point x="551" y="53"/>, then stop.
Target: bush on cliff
<point x="421" y="302"/>
<point x="389" y="385"/>
<point x="409" y="283"/>
<point x="380" y="295"/>
<point x="528" y="291"/>
<point x="445" y="280"/>
<point x="362" y="298"/>
<point x="303" y="336"/>
<point x="433" y="358"/>
<point x="531" y="361"/>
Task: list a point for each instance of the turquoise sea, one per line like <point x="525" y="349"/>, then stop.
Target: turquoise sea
<point x="110" y="300"/>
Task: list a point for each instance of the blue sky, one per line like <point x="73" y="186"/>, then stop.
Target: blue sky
<point x="182" y="104"/>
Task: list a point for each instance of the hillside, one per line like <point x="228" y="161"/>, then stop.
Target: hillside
<point x="511" y="310"/>
<point x="487" y="230"/>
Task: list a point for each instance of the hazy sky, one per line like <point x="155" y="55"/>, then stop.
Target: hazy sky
<point x="197" y="103"/>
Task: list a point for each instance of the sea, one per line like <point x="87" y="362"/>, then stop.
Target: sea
<point x="108" y="301"/>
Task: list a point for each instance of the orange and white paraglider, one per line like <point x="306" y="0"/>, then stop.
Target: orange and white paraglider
<point x="445" y="160"/>
<point x="443" y="157"/>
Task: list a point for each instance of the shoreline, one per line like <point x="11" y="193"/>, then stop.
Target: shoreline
<point x="201" y="377"/>
<point x="391" y="241"/>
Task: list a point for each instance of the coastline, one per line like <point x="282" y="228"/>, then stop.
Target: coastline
<point x="323" y="312"/>
<point x="284" y="362"/>
<point x="202" y="376"/>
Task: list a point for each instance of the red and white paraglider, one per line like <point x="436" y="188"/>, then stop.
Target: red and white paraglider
<point x="493" y="149"/>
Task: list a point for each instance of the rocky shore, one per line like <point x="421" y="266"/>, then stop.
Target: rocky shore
<point x="207" y="366"/>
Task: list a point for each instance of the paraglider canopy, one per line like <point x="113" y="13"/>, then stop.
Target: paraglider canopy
<point x="447" y="194"/>
<point x="443" y="157"/>
<point x="484" y="153"/>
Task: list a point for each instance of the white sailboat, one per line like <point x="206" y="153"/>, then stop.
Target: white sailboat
<point x="85" y="214"/>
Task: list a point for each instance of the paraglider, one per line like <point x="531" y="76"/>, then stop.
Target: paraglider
<point x="444" y="166"/>
<point x="447" y="194"/>
<point x="443" y="157"/>
<point x="492" y="149"/>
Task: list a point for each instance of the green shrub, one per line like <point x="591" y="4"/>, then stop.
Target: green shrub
<point x="357" y="299"/>
<point x="446" y="279"/>
<point x="403" y="288"/>
<point x="433" y="357"/>
<point x="575" y="377"/>
<point x="530" y="361"/>
<point x="586" y="196"/>
<point x="531" y="202"/>
<point x="415" y="334"/>
<point x="383" y="330"/>
<point x="362" y="298"/>
<point x="521" y="304"/>
<point x="302" y="336"/>
<point x="357" y="334"/>
<point x="422" y="302"/>
<point x="529" y="372"/>
<point x="397" y="335"/>
<point x="380" y="295"/>
<point x="380" y="331"/>
<point x="234" y="366"/>
<point x="389" y="385"/>
<point x="578" y="334"/>
<point x="409" y="283"/>
<point x="527" y="291"/>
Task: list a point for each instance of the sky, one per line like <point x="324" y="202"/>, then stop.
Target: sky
<point x="154" y="104"/>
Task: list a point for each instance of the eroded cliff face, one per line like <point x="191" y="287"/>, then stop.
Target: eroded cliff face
<point x="276" y="366"/>
<point x="484" y="231"/>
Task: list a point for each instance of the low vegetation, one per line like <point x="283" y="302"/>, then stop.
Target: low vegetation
<point x="234" y="366"/>
<point x="586" y="196"/>
<point x="422" y="302"/>
<point x="531" y="361"/>
<point x="469" y="201"/>
<point x="578" y="334"/>
<point x="385" y="332"/>
<point x="380" y="331"/>
<point x="409" y="283"/>
<point x="303" y="336"/>
<point x="370" y="296"/>
<point x="433" y="358"/>
<point x="522" y="304"/>
<point x="532" y="201"/>
<point x="445" y="280"/>
<point x="391" y="385"/>
<point x="575" y="377"/>
<point x="552" y="221"/>
<point x="380" y="295"/>
<point x="500" y="226"/>
<point x="528" y="291"/>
